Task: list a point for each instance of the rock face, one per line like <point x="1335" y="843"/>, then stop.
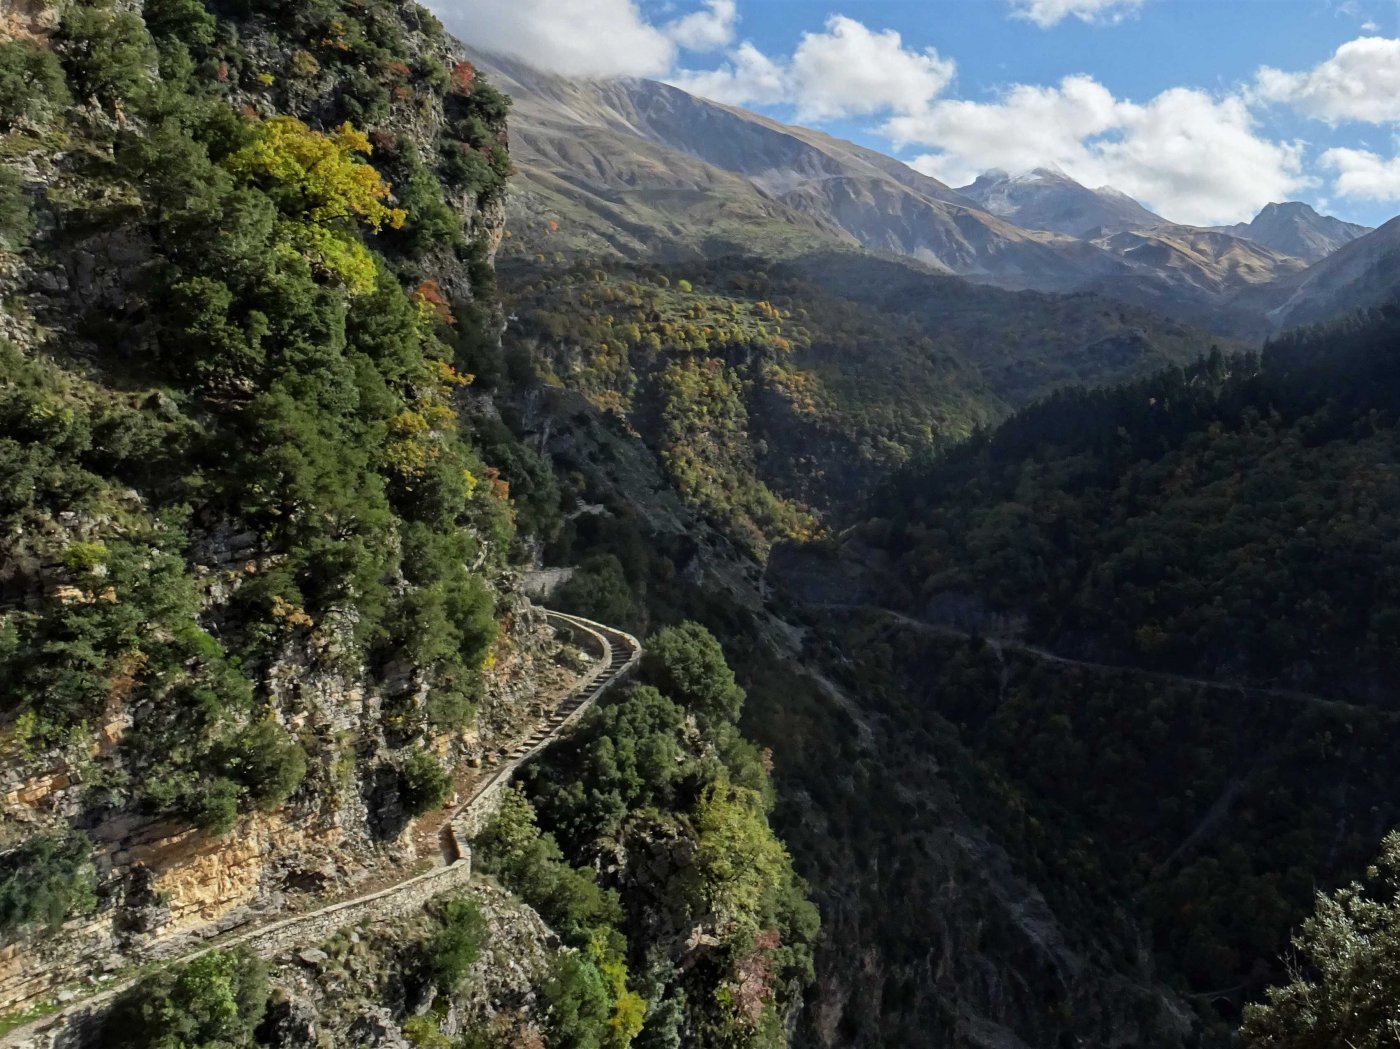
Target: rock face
<point x="159" y="885"/>
<point x="162" y="885"/>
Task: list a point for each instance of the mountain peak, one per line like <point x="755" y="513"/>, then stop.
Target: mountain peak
<point x="1288" y="207"/>
<point x="1046" y="198"/>
<point x="1295" y="228"/>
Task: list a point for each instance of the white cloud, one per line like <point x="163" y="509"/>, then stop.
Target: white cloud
<point x="1191" y="156"/>
<point x="748" y="78"/>
<point x="573" y="37"/>
<point x="1030" y="126"/>
<point x="1370" y="27"/>
<point x="1363" y="175"/>
<point x="1361" y="81"/>
<point x="846" y="70"/>
<point x="708" y="29"/>
<point x="1047" y="13"/>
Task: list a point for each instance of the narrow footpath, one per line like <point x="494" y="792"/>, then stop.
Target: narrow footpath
<point x="617" y="656"/>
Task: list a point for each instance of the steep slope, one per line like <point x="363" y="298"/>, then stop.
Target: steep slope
<point x="679" y="175"/>
<point x="1158" y="617"/>
<point x="1215" y="264"/>
<point x="262" y="537"/>
<point x="1294" y="228"/>
<point x="1359" y="275"/>
<point x="778" y="392"/>
<point x="1048" y="199"/>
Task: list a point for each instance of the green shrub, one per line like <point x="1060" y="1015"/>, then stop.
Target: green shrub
<point x="599" y="590"/>
<point x="107" y="53"/>
<point x="579" y="1004"/>
<point x="214" y="1002"/>
<point x="423" y="783"/>
<point x="1347" y="994"/>
<point x="687" y="664"/>
<point x="265" y="761"/>
<point x="456" y="945"/>
<point x="213" y="805"/>
<point x="31" y="82"/>
<point x="16" y="220"/>
<point x="45" y="881"/>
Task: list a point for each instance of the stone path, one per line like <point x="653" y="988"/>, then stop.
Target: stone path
<point x="618" y="653"/>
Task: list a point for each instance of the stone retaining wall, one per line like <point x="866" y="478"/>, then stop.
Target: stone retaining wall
<point x="76" y="1026"/>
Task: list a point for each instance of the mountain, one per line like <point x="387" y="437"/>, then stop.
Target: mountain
<point x="642" y="170"/>
<point x="1142" y="610"/>
<point x="1359" y="275"/>
<point x="1048" y="199"/>
<point x="1215" y="264"/>
<point x="647" y="169"/>
<point x="1294" y="228"/>
<point x="269" y="664"/>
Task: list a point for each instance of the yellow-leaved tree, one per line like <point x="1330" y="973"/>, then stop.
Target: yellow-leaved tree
<point x="324" y="191"/>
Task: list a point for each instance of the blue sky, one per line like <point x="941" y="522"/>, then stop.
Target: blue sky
<point x="1204" y="110"/>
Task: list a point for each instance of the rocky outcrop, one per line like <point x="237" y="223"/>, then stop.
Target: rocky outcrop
<point x="208" y="880"/>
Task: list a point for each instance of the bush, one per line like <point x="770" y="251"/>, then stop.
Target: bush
<point x="215" y="1001"/>
<point x="423" y="783"/>
<point x="687" y="664"/>
<point x="267" y="763"/>
<point x="45" y="881"/>
<point x="456" y="946"/>
<point x="579" y="1004"/>
<point x="31" y="82"/>
<point x="214" y="805"/>
<point x="1347" y="995"/>
<point x="107" y="53"/>
<point x="16" y="222"/>
<point x="599" y="590"/>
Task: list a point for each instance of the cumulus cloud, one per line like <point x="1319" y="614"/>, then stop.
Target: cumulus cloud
<point x="1361" y="81"/>
<point x="1191" y="156"/>
<point x="1363" y="175"/>
<point x="574" y="37"/>
<point x="1047" y="13"/>
<point x="846" y="70"/>
<point x="708" y="29"/>
<point x="748" y="78"/>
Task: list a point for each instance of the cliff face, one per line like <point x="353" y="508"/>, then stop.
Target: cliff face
<point x="83" y="290"/>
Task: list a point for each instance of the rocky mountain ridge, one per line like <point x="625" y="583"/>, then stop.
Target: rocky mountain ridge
<point x="644" y="170"/>
<point x="1296" y="229"/>
<point x="1048" y="199"/>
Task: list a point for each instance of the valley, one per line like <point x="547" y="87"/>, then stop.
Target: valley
<point x="978" y="602"/>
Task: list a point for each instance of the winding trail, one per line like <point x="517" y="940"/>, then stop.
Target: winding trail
<point x="619" y="653"/>
<point x="1046" y="656"/>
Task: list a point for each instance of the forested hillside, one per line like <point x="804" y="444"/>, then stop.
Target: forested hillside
<point x="1148" y="632"/>
<point x="210" y="349"/>
<point x="1048" y="655"/>
<point x="261" y="615"/>
<point x="1233" y="519"/>
<point x="778" y="393"/>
